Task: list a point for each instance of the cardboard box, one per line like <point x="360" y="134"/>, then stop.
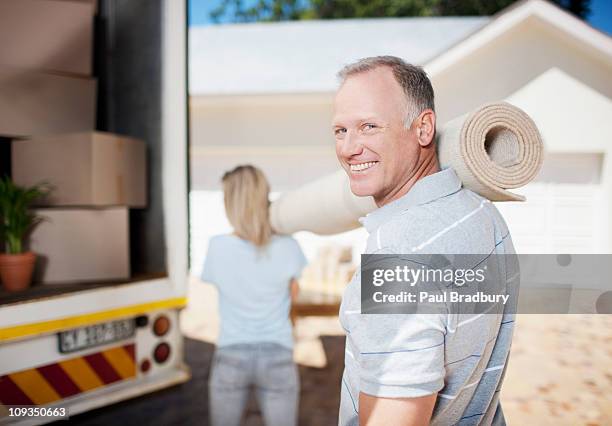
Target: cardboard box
<point x="94" y="3"/>
<point x="86" y="169"/>
<point x="81" y="245"/>
<point x="33" y="103"/>
<point x="47" y="35"/>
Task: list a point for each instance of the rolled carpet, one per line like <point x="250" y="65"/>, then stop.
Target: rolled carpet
<point x="324" y="206"/>
<point x="493" y="148"/>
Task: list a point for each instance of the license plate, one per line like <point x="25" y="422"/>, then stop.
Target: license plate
<point x="95" y="335"/>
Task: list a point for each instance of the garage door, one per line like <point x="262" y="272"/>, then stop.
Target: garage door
<point x="565" y="211"/>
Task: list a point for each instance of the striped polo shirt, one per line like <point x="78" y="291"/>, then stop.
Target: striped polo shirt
<point x="462" y="357"/>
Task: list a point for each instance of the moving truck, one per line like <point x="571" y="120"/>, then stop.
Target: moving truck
<point x="80" y="345"/>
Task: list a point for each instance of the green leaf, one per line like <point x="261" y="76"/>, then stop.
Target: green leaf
<point x="16" y="217"/>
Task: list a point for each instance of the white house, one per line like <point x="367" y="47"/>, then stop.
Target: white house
<point x="262" y="93"/>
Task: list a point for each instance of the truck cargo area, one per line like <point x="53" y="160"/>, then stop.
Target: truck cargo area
<point x="40" y="292"/>
<point x="106" y="212"/>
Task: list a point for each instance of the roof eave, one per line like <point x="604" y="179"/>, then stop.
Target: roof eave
<point x="513" y="16"/>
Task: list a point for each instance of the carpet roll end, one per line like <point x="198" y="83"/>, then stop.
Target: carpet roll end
<point x="492" y="149"/>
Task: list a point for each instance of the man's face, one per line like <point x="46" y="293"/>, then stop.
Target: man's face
<point x="374" y="147"/>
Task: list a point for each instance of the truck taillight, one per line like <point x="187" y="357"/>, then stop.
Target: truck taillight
<point x="161" y="325"/>
<point x="161" y="353"/>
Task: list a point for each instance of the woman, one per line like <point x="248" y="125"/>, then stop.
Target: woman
<point x="256" y="274"/>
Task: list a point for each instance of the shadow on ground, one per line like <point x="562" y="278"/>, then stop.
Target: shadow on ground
<point x="187" y="404"/>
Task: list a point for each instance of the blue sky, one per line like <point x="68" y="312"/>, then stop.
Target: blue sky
<point x="600" y="18"/>
<point x="601" y="15"/>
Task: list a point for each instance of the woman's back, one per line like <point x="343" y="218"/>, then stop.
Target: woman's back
<point x="253" y="284"/>
<point x="253" y="270"/>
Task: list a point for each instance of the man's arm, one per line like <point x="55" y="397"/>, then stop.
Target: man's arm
<point x="375" y="411"/>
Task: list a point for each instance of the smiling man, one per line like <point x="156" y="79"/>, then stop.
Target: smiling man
<point x="402" y="369"/>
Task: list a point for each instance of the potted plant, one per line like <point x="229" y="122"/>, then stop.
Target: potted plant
<point x="16" y="221"/>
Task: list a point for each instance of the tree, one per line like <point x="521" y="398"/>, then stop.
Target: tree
<point x="580" y="8"/>
<point x="263" y="10"/>
<point x="339" y="9"/>
<point x="472" y="7"/>
<point x="283" y="10"/>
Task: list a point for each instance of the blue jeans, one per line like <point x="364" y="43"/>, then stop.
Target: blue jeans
<point x="269" y="368"/>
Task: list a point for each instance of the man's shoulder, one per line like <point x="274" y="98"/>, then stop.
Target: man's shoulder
<point x="463" y="222"/>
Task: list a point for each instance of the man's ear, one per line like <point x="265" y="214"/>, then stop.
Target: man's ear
<point x="426" y="127"/>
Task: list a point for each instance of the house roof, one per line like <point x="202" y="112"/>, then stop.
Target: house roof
<point x="581" y="104"/>
<point x="589" y="38"/>
<point x="304" y="56"/>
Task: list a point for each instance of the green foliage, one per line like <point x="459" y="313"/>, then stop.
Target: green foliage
<point x="283" y="10"/>
<point x="339" y="9"/>
<point x="580" y="8"/>
<point x="472" y="7"/>
<point x="263" y="10"/>
<point x="16" y="218"/>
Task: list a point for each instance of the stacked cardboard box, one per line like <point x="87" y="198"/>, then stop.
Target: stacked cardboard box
<point x="95" y="177"/>
<point x="47" y="36"/>
<point x="33" y="103"/>
<point x="80" y="245"/>
<point x="86" y="169"/>
<point x="45" y="67"/>
<point x="47" y="106"/>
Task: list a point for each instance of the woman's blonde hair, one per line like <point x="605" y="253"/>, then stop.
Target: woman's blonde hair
<point x="245" y="191"/>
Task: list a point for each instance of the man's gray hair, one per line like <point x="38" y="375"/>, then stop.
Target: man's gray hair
<point x="413" y="80"/>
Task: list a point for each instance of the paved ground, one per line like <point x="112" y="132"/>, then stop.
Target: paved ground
<point x="560" y="372"/>
<point x="187" y="404"/>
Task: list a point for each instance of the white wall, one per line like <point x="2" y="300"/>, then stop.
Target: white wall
<point x="289" y="137"/>
<point x="505" y="65"/>
<point x="571" y="116"/>
<point x="565" y="207"/>
<point x="575" y="192"/>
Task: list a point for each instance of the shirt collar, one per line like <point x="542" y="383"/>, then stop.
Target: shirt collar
<point x="425" y="190"/>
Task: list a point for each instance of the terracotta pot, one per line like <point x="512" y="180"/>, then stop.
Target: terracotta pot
<point x="16" y="270"/>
